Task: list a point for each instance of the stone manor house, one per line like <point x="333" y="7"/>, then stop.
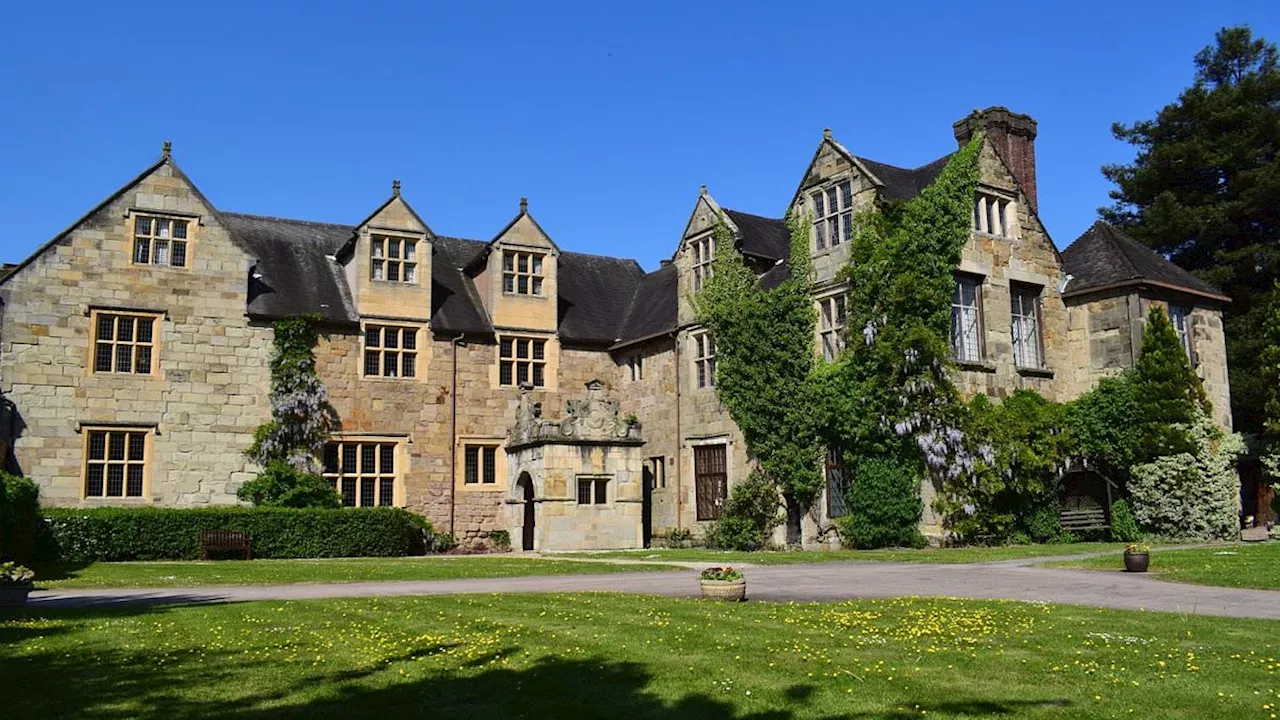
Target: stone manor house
<point x="510" y="384"/>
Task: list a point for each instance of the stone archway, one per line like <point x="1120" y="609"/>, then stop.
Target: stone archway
<point x="524" y="488"/>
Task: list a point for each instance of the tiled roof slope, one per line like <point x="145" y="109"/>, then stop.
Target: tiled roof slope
<point x="653" y="307"/>
<point x="902" y="183"/>
<point x="294" y="273"/>
<point x="594" y="294"/>
<point x="761" y="236"/>
<point x="1105" y="257"/>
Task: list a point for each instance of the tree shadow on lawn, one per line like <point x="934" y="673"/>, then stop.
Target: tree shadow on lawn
<point x="98" y="681"/>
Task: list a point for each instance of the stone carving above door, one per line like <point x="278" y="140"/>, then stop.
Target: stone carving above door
<point x="592" y="420"/>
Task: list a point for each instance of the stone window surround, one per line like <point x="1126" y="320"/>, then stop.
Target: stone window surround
<point x="500" y="463"/>
<point x="840" y="189"/>
<point x="88" y="430"/>
<point x="193" y="224"/>
<point x="157" y="316"/>
<point x="534" y="276"/>
<point x="597" y="487"/>
<point x="399" y="471"/>
<point x="704" y="359"/>
<point x="1180" y="317"/>
<point x="832" y="316"/>
<point x="420" y="359"/>
<point x="377" y="240"/>
<point x="657" y="466"/>
<point x="703" y="250"/>
<point x="1006" y="203"/>
<point x="635" y="366"/>
<point x="1024" y="292"/>
<point x="978" y="354"/>
<point x="545" y="362"/>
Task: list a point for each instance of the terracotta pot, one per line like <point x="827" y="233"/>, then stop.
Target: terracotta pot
<point x="14" y="595"/>
<point x="733" y="590"/>
<point x="1136" y="562"/>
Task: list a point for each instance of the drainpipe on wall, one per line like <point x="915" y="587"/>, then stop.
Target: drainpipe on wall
<point x="453" y="432"/>
<point x="679" y="442"/>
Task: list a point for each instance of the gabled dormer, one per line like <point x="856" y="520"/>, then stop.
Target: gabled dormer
<point x="517" y="275"/>
<point x="697" y="250"/>
<point x="835" y="187"/>
<point x="388" y="262"/>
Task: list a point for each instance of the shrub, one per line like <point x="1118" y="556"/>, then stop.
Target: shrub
<point x="750" y="515"/>
<point x="173" y="534"/>
<point x="723" y="574"/>
<point x="282" y="485"/>
<point x="884" y="505"/>
<point x="501" y="540"/>
<point x="1193" y="494"/>
<point x="1123" y="527"/>
<point x="19" y="517"/>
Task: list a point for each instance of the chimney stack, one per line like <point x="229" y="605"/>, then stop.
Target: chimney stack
<point x="1013" y="135"/>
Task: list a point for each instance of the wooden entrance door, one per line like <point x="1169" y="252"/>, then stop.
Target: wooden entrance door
<point x="526" y="483"/>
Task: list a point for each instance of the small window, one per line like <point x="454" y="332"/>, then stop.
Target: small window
<point x="522" y="361"/>
<point x="831" y="320"/>
<point x="393" y="259"/>
<point x="390" y="351"/>
<point x="480" y="464"/>
<point x="837" y="476"/>
<point x="966" y="320"/>
<point x="593" y="491"/>
<point x="704" y="359"/>
<point x="160" y="240"/>
<point x="832" y="215"/>
<point x="1027" y="339"/>
<point x="115" y="462"/>
<point x="710" y="479"/>
<point x="657" y="471"/>
<point x="1180" y="317"/>
<point x="522" y="273"/>
<point x="365" y="473"/>
<point x="704" y="253"/>
<point x="124" y="344"/>
<point x="635" y="367"/>
<point x="993" y="215"/>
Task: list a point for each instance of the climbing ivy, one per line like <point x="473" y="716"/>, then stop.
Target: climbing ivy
<point x="764" y="375"/>
<point x="301" y="417"/>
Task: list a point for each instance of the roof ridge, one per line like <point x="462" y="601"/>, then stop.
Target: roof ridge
<point x="1117" y="238"/>
<point x="755" y="215"/>
<point x="296" y="221"/>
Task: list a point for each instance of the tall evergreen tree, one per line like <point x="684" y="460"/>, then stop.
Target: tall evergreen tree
<point x="1166" y="390"/>
<point x="1203" y="187"/>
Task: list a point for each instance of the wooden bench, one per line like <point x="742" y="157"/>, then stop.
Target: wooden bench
<point x="220" y="541"/>
<point x="1084" y="519"/>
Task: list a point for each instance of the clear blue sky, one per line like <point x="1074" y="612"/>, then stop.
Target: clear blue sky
<point x="607" y="115"/>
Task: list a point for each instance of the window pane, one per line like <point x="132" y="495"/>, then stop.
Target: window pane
<point x="124" y="358"/>
<point x="410" y="272"/>
<point x="388" y="460"/>
<point x="124" y="329"/>
<point x="115" y="446"/>
<point x="472" y="465"/>
<point x="410" y="250"/>
<point x="522" y="284"/>
<point x="349" y="491"/>
<point x="522" y="349"/>
<point x="179" y="254"/>
<point x="162" y="228"/>
<point x="349" y="458"/>
<point x="102" y="360"/>
<point x="846" y="195"/>
<point x="584" y="492"/>
<point x="393" y="271"/>
<point x="409" y="365"/>
<point x="508" y="283"/>
<point x="378" y="271"/>
<point x="372" y="336"/>
<point x="537" y="264"/>
<point x="490" y="465"/>
<point x="115" y="480"/>
<point x="94" y="481"/>
<point x="537" y="286"/>
<point x="142" y="226"/>
<point x="600" y="491"/>
<point x="841" y="314"/>
<point x="539" y="379"/>
<point x="162" y="252"/>
<point x="376" y="247"/>
<point x="522" y="263"/>
<point x="505" y="347"/>
<point x="106" y="327"/>
<point x="819" y="207"/>
<point x="539" y="349"/>
<point x="390" y="361"/>
<point x="146" y="326"/>
<point x="504" y="373"/>
<point x="97" y="446"/>
<point x="410" y="337"/>
<point x="372" y="362"/>
<point x="142" y="363"/>
<point x="386" y="492"/>
<point x="141" y="251"/>
<point x="391" y="337"/>
<point x="508" y="261"/>
<point x="180" y="229"/>
<point x="393" y="249"/>
<point x="331" y="458"/>
<point x="133" y="486"/>
<point x="368" y="459"/>
<point x="522" y="373"/>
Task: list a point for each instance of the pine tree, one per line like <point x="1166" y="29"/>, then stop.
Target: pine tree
<point x="1167" y="390"/>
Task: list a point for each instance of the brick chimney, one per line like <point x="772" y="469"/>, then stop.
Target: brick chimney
<point x="1014" y="137"/>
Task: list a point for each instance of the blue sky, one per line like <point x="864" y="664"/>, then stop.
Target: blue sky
<point x="607" y="115"/>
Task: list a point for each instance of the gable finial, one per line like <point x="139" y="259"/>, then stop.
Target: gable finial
<point x="524" y="206"/>
<point x="826" y="133"/>
<point x="703" y="191"/>
<point x="167" y="150"/>
<point x="395" y="188"/>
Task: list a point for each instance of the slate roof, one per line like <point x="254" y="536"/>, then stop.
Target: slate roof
<point x="902" y="183"/>
<point x="594" y="293"/>
<point x="653" y="306"/>
<point x="1104" y="257"/>
<point x="761" y="236"/>
<point x="294" y="274"/>
<point x="5" y="269"/>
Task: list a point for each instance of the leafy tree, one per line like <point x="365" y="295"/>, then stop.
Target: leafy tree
<point x="1105" y="425"/>
<point x="1202" y="191"/>
<point x="753" y="511"/>
<point x="764" y="357"/>
<point x="884" y="503"/>
<point x="282" y="485"/>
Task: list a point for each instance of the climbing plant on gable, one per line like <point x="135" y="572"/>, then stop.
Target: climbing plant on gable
<point x="764" y="374"/>
<point x="301" y="417"/>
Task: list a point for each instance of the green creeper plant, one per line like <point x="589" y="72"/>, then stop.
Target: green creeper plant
<point x="765" y="359"/>
<point x="301" y="417"/>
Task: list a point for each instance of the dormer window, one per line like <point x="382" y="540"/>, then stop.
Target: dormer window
<point x="832" y="215"/>
<point x="160" y="241"/>
<point x="993" y="215"/>
<point x="393" y="259"/>
<point x="521" y="273"/>
<point x="704" y="251"/>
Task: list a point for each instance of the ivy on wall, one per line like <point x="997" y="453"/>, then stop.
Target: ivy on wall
<point x="765" y="360"/>
<point x="301" y="417"/>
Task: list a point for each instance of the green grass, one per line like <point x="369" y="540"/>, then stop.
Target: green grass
<point x="925" y="555"/>
<point x="329" y="570"/>
<point x="614" y="656"/>
<point x="1252" y="565"/>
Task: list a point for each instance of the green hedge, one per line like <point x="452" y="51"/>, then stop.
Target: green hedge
<point x="114" y="534"/>
<point x="19" y="517"/>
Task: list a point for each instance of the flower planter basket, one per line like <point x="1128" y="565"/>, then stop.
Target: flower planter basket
<point x="1136" y="562"/>
<point x="14" y="595"/>
<point x="733" y="590"/>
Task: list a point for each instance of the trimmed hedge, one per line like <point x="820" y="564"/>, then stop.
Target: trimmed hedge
<point x="114" y="534"/>
<point x="19" y="517"/>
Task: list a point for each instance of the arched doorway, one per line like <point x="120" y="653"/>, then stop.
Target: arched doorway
<point x="525" y="484"/>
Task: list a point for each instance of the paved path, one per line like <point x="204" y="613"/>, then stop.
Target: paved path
<point x="1009" y="580"/>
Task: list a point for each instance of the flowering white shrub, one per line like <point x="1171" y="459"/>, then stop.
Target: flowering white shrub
<point x="1191" y="495"/>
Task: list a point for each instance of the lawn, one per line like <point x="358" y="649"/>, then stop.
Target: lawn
<point x="924" y="555"/>
<point x="615" y="656"/>
<point x="1252" y="565"/>
<point x="328" y="570"/>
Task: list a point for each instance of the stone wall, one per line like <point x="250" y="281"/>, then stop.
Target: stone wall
<point x="652" y="400"/>
<point x="209" y="390"/>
